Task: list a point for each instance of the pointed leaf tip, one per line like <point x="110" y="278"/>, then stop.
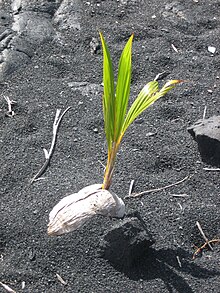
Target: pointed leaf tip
<point x="173" y="82"/>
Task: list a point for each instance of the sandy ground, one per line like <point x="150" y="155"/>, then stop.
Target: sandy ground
<point x="52" y="60"/>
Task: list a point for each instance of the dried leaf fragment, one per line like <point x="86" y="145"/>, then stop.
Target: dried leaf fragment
<point x="76" y="209"/>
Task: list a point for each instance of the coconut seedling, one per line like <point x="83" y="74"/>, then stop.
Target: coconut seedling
<point x="74" y="210"/>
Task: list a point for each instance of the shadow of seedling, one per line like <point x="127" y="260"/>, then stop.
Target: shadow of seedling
<point x="127" y="247"/>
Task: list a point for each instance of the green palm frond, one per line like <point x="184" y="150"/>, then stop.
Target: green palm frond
<point x="123" y="88"/>
<point x="147" y="96"/>
<point x="115" y="101"/>
<point x="109" y="94"/>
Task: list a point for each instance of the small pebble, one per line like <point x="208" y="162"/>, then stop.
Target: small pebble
<point x="211" y="49"/>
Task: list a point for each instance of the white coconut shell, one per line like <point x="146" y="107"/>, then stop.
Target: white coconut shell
<point x="74" y="210"/>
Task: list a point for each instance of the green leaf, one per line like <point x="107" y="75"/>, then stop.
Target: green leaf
<point x="143" y="100"/>
<point x="123" y="88"/>
<point x="147" y="96"/>
<point x="109" y="93"/>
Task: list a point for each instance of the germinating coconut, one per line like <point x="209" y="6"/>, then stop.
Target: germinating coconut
<point x="76" y="209"/>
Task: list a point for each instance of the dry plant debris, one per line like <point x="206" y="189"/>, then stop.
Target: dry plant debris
<point x="200" y="249"/>
<point x="157" y="189"/>
<point x="208" y="243"/>
<point x="211" y="169"/>
<point x="48" y="155"/>
<point x="61" y="280"/>
<point x="131" y="188"/>
<point x="7" y="288"/>
<point x="10" y="112"/>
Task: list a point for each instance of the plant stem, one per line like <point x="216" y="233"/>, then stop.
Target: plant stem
<point x="110" y="166"/>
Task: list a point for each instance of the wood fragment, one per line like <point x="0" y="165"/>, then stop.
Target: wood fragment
<point x="157" y="189"/>
<point x="131" y="188"/>
<point x="179" y="262"/>
<point x="203" y="234"/>
<point x="204" y="113"/>
<point x="22" y="285"/>
<point x="40" y="178"/>
<point x="180" y="206"/>
<point x="180" y="195"/>
<point x="61" y="279"/>
<point x="7" y="288"/>
<point x="101" y="164"/>
<point x="10" y="112"/>
<point x="150" y="134"/>
<point x="211" y="169"/>
<point x="48" y="155"/>
<point x="201" y="248"/>
<point x="174" y="48"/>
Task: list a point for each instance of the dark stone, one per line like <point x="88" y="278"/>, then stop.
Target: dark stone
<point x="206" y="133"/>
<point x="14" y="61"/>
<point x="42" y="6"/>
<point x="126" y="244"/>
<point x="31" y="254"/>
<point x="94" y="46"/>
<point x="17" y="45"/>
<point x="69" y="14"/>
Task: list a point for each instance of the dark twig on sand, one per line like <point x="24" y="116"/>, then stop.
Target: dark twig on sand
<point x="10" y="112"/>
<point x="48" y="155"/>
<point x="207" y="243"/>
<point x="157" y="189"/>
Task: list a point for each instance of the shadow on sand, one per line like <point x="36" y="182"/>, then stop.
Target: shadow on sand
<point x="163" y="264"/>
<point x="128" y="248"/>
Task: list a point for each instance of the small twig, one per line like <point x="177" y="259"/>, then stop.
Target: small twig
<point x="158" y="189"/>
<point x="101" y="164"/>
<point x="174" y="48"/>
<point x="22" y="285"/>
<point x="203" y="235"/>
<point x="130" y="188"/>
<point x="204" y="112"/>
<point x="201" y="248"/>
<point x="40" y="178"/>
<point x="211" y="169"/>
<point x="179" y="204"/>
<point x="61" y="279"/>
<point x="48" y="155"/>
<point x="10" y="112"/>
<point x="7" y="288"/>
<point x="180" y="195"/>
<point x="179" y="262"/>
